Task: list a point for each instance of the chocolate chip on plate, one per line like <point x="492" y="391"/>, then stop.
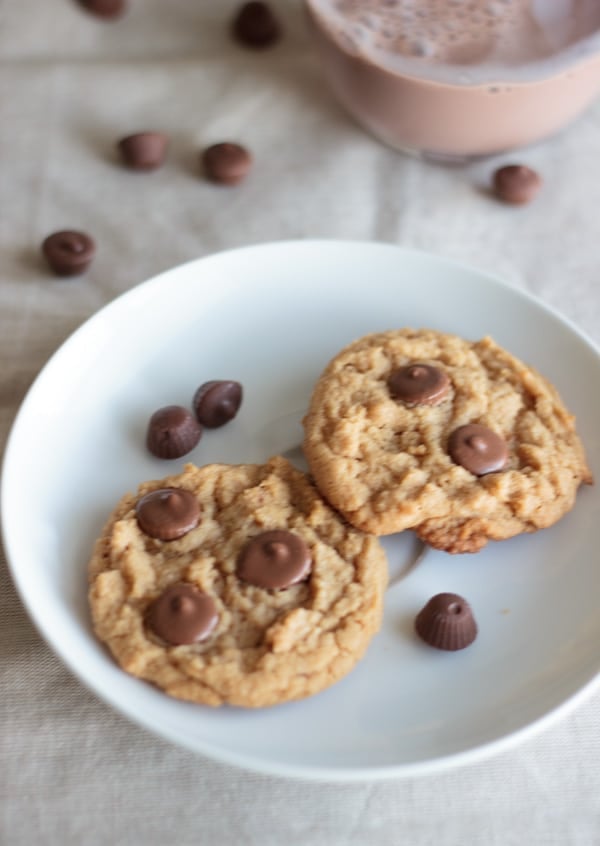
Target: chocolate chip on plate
<point x="516" y="184"/>
<point x="167" y="513"/>
<point x="104" y="8"/>
<point x="143" y="150"/>
<point x="182" y="614"/>
<point x="226" y="162"/>
<point x="68" y="252"/>
<point x="172" y="432"/>
<point x="274" y="559"/>
<point x="255" y="25"/>
<point x="446" y="622"/>
<point x="217" y="402"/>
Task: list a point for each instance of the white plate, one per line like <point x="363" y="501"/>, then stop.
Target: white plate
<point x="271" y="316"/>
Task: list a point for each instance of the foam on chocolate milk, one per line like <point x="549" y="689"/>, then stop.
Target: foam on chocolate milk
<point x="464" y="41"/>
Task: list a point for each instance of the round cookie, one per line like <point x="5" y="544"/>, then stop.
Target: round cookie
<point x="382" y="444"/>
<point x="267" y="596"/>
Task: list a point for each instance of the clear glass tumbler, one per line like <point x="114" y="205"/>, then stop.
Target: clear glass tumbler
<point x="458" y="79"/>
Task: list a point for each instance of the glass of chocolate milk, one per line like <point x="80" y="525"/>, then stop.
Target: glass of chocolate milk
<point x="457" y="79"/>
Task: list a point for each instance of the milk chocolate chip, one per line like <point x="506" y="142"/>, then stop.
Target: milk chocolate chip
<point x="446" y="622"/>
<point x="182" y="615"/>
<point x="419" y="384"/>
<point x="516" y="184"/>
<point x="226" y="162"/>
<point x="478" y="449"/>
<point x="172" y="432"/>
<point x="68" y="252"/>
<point x="274" y="559"/>
<point x="104" y="8"/>
<point x="143" y="150"/>
<point x="167" y="513"/>
<point x="255" y="25"/>
<point x="217" y="402"/>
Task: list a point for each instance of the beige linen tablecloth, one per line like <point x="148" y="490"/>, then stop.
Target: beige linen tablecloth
<point x="71" y="770"/>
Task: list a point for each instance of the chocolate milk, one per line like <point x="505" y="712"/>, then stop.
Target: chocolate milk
<point x="460" y="78"/>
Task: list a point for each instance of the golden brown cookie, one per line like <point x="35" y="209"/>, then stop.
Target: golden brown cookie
<point x="385" y="442"/>
<point x="237" y="584"/>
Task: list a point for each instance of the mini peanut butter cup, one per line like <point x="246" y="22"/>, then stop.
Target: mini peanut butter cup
<point x="446" y="622"/>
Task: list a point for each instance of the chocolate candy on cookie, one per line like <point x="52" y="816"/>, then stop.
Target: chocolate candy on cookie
<point x="419" y="384"/>
<point x="182" y="614"/>
<point x="458" y="440"/>
<point x="478" y="449"/>
<point x="167" y="513"/>
<point x="235" y="584"/>
<point x="274" y="560"/>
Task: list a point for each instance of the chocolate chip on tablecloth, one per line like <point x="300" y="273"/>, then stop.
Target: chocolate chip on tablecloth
<point x="104" y="8"/>
<point x="255" y="25"/>
<point x="226" y="162"/>
<point x="143" y="150"/>
<point x="516" y="184"/>
<point x="68" y="252"/>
